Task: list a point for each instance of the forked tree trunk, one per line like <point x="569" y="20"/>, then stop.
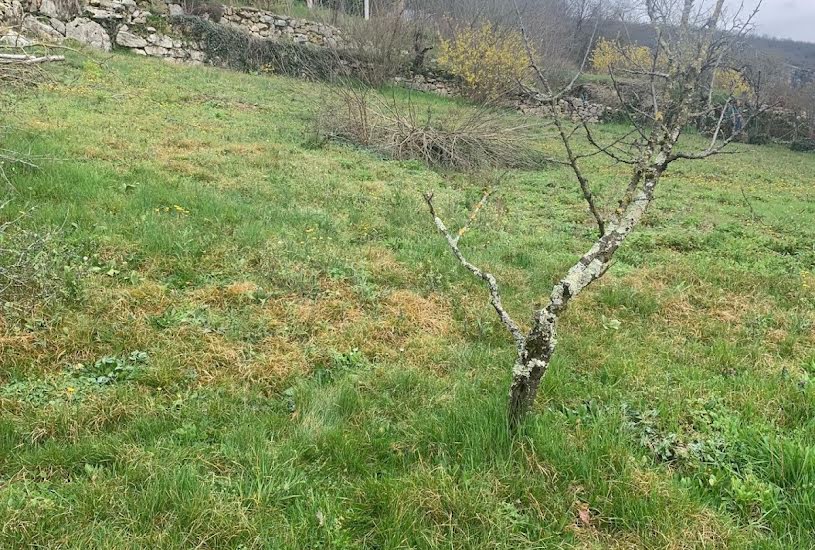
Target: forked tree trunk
<point x="539" y="345"/>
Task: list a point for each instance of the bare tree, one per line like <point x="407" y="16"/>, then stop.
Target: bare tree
<point x="692" y="39"/>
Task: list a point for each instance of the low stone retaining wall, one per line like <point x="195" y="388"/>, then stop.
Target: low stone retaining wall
<point x="150" y="42"/>
<point x="577" y="109"/>
<point x="263" y="24"/>
<point x="144" y="27"/>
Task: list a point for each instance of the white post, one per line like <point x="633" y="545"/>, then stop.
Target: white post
<point x="367" y="8"/>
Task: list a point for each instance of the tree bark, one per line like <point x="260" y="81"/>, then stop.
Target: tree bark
<point x="539" y="345"/>
<point x="528" y="372"/>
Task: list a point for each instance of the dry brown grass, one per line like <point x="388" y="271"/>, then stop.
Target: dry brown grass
<point x="242" y="288"/>
<point x="430" y="315"/>
<point x="383" y="264"/>
<point x="189" y="169"/>
<point x="337" y="305"/>
<point x="706" y="530"/>
<point x="698" y="300"/>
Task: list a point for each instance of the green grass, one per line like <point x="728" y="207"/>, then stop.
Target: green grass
<point x="249" y="342"/>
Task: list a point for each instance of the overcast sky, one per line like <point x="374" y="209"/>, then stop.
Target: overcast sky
<point x="786" y="18"/>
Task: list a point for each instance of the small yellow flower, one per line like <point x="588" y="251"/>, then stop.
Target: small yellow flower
<point x="70" y="389"/>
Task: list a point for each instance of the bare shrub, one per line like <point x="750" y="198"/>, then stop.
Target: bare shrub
<point x="391" y="43"/>
<point x="21" y="61"/>
<point x="460" y="139"/>
<point x="22" y="71"/>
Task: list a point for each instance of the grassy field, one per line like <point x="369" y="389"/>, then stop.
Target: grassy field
<point x="232" y="338"/>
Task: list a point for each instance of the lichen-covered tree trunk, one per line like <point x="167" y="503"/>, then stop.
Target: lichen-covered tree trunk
<point x="539" y="345"/>
<point x="528" y="371"/>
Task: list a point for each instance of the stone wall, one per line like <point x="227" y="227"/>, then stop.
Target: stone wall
<point x="431" y="82"/>
<point x="263" y="24"/>
<point x="582" y="108"/>
<point x="143" y="26"/>
<point x="575" y="108"/>
<point x="149" y="41"/>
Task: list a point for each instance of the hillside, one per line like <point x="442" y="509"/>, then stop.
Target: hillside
<point x="799" y="54"/>
<point x="792" y="52"/>
<point x="236" y="337"/>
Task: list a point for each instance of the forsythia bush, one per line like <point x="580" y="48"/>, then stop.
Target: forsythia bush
<point x="732" y="82"/>
<point x="488" y="62"/>
<point x="609" y="55"/>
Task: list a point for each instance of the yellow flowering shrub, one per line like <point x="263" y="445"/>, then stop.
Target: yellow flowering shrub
<point x="611" y="55"/>
<point x="488" y="62"/>
<point x="731" y="82"/>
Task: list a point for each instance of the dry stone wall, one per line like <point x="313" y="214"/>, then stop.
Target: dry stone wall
<point x="263" y="24"/>
<point x="576" y="108"/>
<point x="143" y="26"/>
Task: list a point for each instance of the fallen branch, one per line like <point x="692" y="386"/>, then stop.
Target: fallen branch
<point x="23" y="59"/>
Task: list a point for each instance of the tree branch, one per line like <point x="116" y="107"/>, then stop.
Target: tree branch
<point x="552" y="99"/>
<point x="488" y="278"/>
<point x="23" y="59"/>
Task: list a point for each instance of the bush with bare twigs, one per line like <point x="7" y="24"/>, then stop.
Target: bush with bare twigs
<point x="463" y="139"/>
<point x="392" y="44"/>
<point x="21" y="62"/>
<point x="35" y="266"/>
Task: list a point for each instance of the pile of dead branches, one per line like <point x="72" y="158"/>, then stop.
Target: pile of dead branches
<point x="465" y="139"/>
<point x="21" y="60"/>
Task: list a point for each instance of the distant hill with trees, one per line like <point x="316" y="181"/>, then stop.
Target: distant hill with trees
<point x="798" y="56"/>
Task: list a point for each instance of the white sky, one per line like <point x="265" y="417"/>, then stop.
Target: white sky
<point x="785" y="18"/>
